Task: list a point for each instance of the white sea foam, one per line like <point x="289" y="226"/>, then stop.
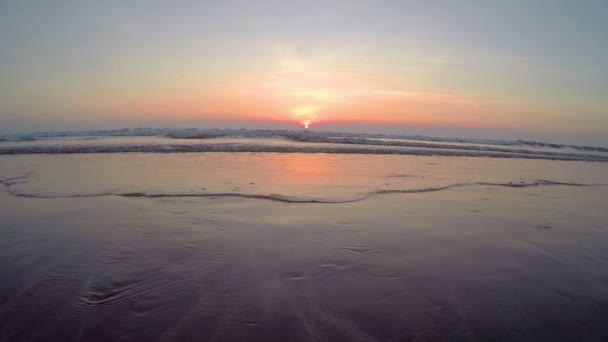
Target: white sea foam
<point x="213" y="140"/>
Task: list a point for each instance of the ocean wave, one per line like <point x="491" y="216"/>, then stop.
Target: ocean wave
<point x="284" y="141"/>
<point x="312" y="148"/>
<point x="205" y="133"/>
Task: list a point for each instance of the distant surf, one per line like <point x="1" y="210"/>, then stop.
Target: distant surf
<point x="283" y="141"/>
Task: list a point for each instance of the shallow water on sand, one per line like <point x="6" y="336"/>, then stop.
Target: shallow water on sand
<point x="517" y="251"/>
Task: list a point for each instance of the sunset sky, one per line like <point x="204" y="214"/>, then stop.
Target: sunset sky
<point x="520" y="69"/>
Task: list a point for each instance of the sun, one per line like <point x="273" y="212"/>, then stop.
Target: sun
<point x="305" y="114"/>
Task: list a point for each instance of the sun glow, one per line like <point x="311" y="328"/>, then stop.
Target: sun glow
<point x="307" y="93"/>
<point x="305" y="114"/>
<point x="307" y="110"/>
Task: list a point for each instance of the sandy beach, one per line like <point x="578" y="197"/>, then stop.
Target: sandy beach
<point x="511" y="253"/>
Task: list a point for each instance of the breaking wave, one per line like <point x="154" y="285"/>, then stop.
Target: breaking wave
<point x="281" y="141"/>
<point x="402" y="149"/>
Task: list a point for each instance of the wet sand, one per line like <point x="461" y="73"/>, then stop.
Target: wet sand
<point x="489" y="260"/>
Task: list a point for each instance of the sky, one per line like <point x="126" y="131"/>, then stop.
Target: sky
<point x="477" y="68"/>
